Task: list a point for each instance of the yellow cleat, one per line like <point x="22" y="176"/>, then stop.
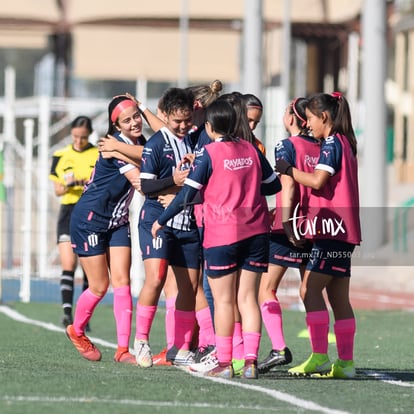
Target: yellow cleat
<point x="315" y="364"/>
<point x="340" y="369"/>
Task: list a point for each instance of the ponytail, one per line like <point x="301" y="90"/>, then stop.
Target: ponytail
<point x="342" y="123"/>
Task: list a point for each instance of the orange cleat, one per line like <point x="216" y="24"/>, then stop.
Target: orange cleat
<point x="83" y="344"/>
<point x="124" y="356"/>
<point x="161" y="358"/>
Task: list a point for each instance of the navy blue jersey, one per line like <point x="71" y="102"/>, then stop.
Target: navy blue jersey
<point x="160" y="157"/>
<point x="286" y="149"/>
<point x="202" y="139"/>
<point x="330" y="158"/>
<point x="105" y="201"/>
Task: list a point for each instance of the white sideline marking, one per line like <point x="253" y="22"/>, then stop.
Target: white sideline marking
<point x="12" y="314"/>
<point x="140" y="403"/>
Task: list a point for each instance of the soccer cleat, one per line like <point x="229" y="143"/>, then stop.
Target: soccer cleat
<point x="181" y="357"/>
<point x="274" y="359"/>
<point x="250" y="370"/>
<point x="124" y="356"/>
<point x="84" y="345"/>
<point x="221" y="372"/>
<point x="315" y="364"/>
<point x="340" y="369"/>
<point x="208" y="363"/>
<point x="203" y="352"/>
<point x="161" y="358"/>
<point x="238" y="365"/>
<point x="143" y="353"/>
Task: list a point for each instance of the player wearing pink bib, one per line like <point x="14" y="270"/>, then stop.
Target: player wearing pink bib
<point x="333" y="224"/>
<point x="286" y="250"/>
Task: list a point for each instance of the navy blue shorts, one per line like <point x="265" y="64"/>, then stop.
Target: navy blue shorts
<point x="249" y="254"/>
<point x="283" y="253"/>
<point x="180" y="248"/>
<point x="331" y="257"/>
<point x="86" y="242"/>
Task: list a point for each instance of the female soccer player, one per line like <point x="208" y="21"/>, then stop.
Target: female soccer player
<point x="286" y="250"/>
<point x="179" y="243"/>
<point x="100" y="235"/>
<point x="335" y="231"/>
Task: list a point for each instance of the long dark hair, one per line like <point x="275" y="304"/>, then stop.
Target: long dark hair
<point x="338" y="108"/>
<point x="241" y="127"/>
<point x="222" y="118"/>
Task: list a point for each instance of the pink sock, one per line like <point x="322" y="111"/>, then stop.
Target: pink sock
<point x="123" y="314"/>
<point x="318" y="327"/>
<point x="272" y="320"/>
<point x="206" y="332"/>
<point x="224" y="349"/>
<point x="345" y="334"/>
<point x="169" y="321"/>
<point x="144" y="317"/>
<point x="184" y="327"/>
<point x="251" y="342"/>
<point x="84" y="309"/>
<point x="238" y="348"/>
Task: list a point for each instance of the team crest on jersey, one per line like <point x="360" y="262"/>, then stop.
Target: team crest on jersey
<point x="157" y="243"/>
<point x="93" y="239"/>
<point x="199" y="153"/>
<point x="279" y="145"/>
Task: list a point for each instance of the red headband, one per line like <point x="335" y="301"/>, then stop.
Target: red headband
<point x="297" y="113"/>
<point x="121" y="107"/>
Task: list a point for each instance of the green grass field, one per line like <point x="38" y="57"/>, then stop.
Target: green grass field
<point x="41" y="372"/>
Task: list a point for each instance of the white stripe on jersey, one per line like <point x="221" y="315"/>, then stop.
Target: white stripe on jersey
<point x="180" y="147"/>
<point x="119" y="214"/>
